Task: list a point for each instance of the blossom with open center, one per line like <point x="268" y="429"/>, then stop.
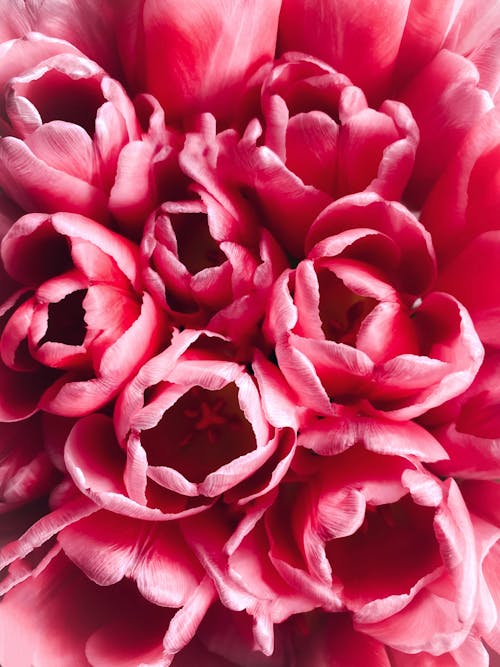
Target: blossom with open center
<point x="79" y="326"/>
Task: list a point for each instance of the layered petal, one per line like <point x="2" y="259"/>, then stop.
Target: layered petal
<point x="205" y="73"/>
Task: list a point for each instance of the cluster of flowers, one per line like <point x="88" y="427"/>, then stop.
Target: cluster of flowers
<point x="250" y="332"/>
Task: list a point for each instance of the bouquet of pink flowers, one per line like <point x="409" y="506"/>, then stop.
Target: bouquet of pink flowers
<point x="250" y="333"/>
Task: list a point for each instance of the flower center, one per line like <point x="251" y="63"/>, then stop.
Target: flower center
<point x="66" y="323"/>
<point x="394" y="548"/>
<point x="201" y="432"/>
<point x="341" y="311"/>
<point x="59" y="97"/>
<point x="208" y="417"/>
<point x="202" y="253"/>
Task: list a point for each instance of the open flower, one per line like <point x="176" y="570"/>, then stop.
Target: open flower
<point x="318" y="140"/>
<point x="350" y="325"/>
<point x="439" y="58"/>
<point x="80" y="325"/>
<point x="222" y="281"/>
<point x="379" y="536"/>
<point x="97" y="120"/>
<point x="190" y="427"/>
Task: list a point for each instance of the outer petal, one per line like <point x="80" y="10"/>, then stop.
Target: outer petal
<point x="452" y="104"/>
<point x="97" y="465"/>
<point x="465" y="200"/>
<point x="197" y="57"/>
<point x="85" y="24"/>
<point x="55" y="630"/>
<point x="36" y="186"/>
<point x="480" y="295"/>
<point x="333" y="30"/>
<point x="107" y="550"/>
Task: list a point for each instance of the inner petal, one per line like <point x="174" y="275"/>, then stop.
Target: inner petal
<point x="201" y="432"/>
<point x="394" y="548"/>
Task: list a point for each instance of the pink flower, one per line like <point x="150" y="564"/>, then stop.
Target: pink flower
<point x="369" y="531"/>
<point x="79" y="325"/>
<point x="318" y="140"/>
<point x="222" y="438"/>
<point x="37" y="168"/>
<point x="224" y="280"/>
<point x="445" y="49"/>
<point x="352" y="331"/>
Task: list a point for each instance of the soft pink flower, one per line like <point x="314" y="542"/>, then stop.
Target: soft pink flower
<point x="393" y="544"/>
<point x="349" y="323"/>
<point x="79" y="326"/>
<point x="447" y="49"/>
<point x="97" y="119"/>
<point x="223" y="281"/>
<point x="317" y="140"/>
<point x="217" y="420"/>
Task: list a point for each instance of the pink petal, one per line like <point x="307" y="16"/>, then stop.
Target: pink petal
<point x="57" y="142"/>
<point x="464" y="200"/>
<point x="87" y="26"/>
<point x="333" y="435"/>
<point x="23" y="54"/>
<point x="427" y="26"/>
<point x="481" y="296"/>
<point x="196" y="82"/>
<point x="311" y="146"/>
<point x="96" y="464"/>
<point x="36" y="186"/>
<point x="186" y="621"/>
<point x="288" y="204"/>
<point x="49" y="525"/>
<point x="416" y="268"/>
<point x="453" y="324"/>
<point x="278" y="400"/>
<point x="362" y="140"/>
<point x="449" y="111"/>
<point x="41" y="610"/>
<point x="301" y="375"/>
<point x="133" y="196"/>
<point x="341" y="31"/>
<point x="106" y="551"/>
<point x="341" y="368"/>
